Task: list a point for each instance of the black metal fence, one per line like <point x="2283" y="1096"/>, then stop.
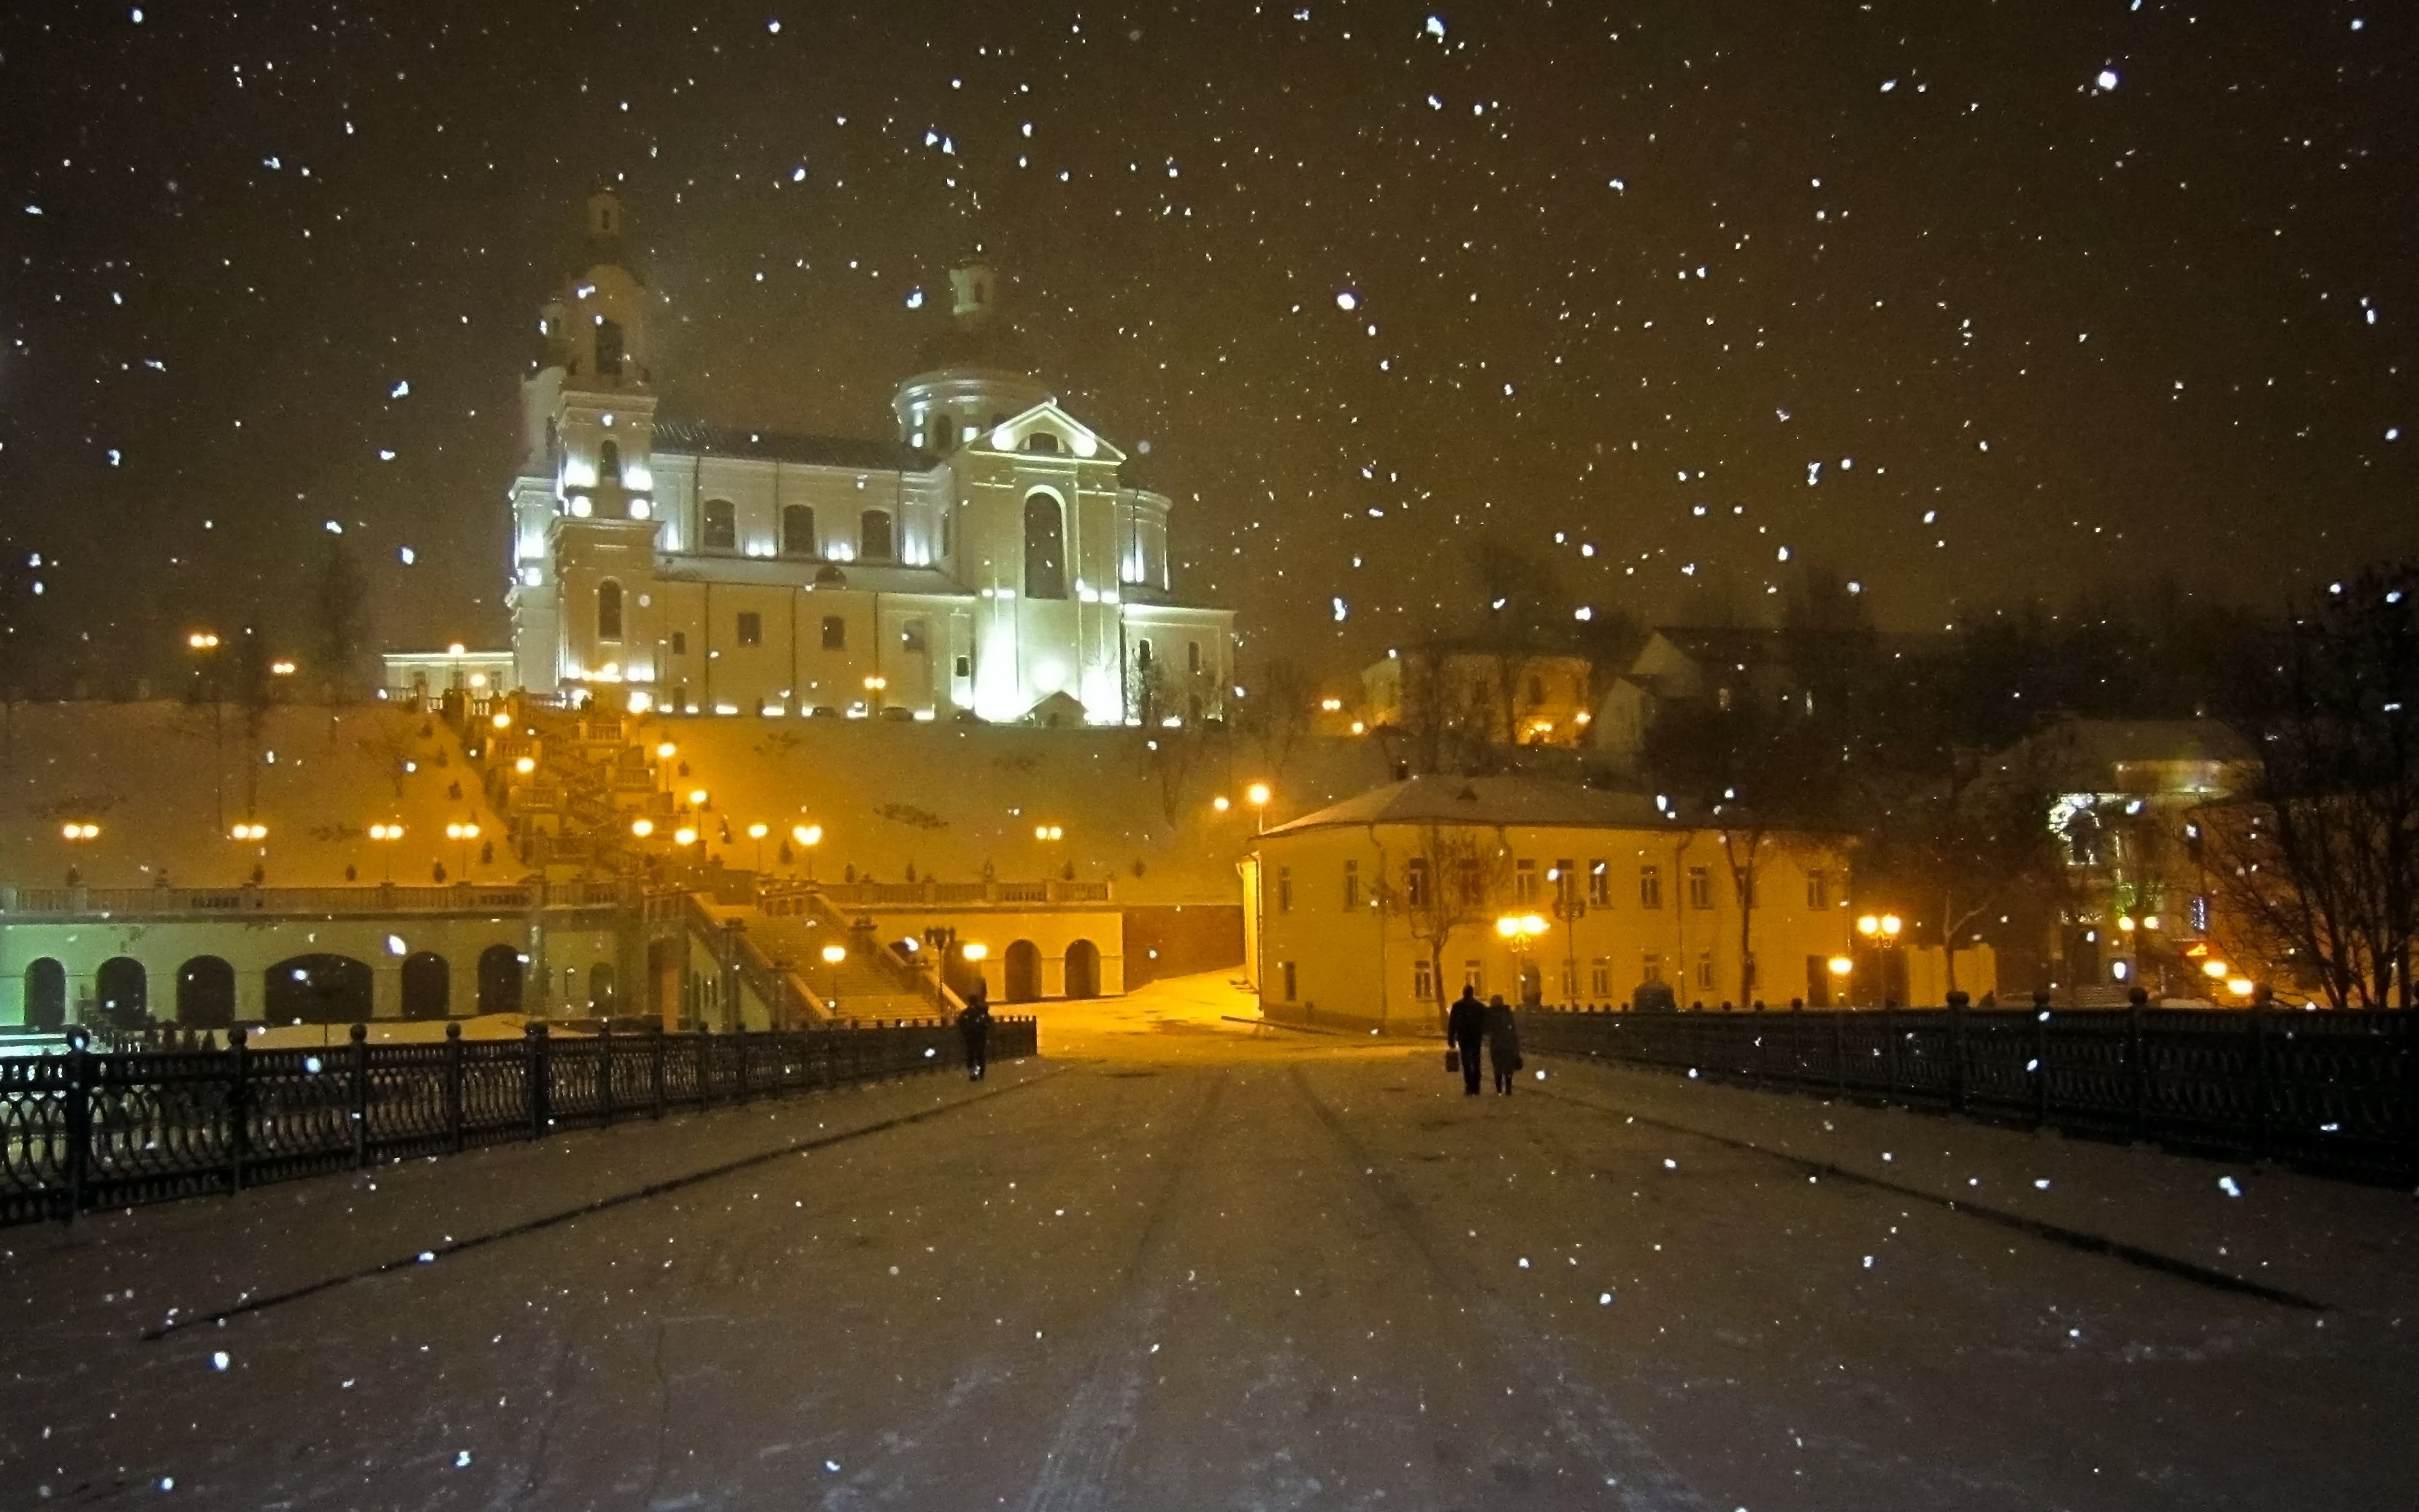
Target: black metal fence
<point x="88" y="1129"/>
<point x="2336" y="1092"/>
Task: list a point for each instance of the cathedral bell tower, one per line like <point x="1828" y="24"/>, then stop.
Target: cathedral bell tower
<point x="970" y="375"/>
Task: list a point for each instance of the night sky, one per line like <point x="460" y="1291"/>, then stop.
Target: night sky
<point x="1965" y="300"/>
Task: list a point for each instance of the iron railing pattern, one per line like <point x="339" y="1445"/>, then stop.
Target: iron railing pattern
<point x="2330" y="1091"/>
<point x="93" y="1128"/>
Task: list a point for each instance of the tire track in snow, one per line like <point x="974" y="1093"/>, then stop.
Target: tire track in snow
<point x="1615" y="1447"/>
<point x="1103" y="1415"/>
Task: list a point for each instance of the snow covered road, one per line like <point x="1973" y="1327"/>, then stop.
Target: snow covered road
<point x="1222" y="1272"/>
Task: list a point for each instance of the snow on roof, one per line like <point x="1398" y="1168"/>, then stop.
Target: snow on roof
<point x="698" y="438"/>
<point x="1511" y="801"/>
<point x="164" y="782"/>
<point x="952" y="798"/>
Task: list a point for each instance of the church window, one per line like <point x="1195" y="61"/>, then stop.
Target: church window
<point x="609" y="463"/>
<point x="720" y="532"/>
<point x="679" y="643"/>
<point x="1192" y="657"/>
<point x="1536" y="691"/>
<point x="874" y="540"/>
<point x="912" y="638"/>
<point x="1043" y="442"/>
<point x="609" y="347"/>
<point x="948" y="532"/>
<point x="608" y="610"/>
<point x="798" y="532"/>
<point x="751" y="628"/>
<point x="1045" y="548"/>
<point x="835" y="633"/>
<point x="965" y="666"/>
<point x="1142" y="653"/>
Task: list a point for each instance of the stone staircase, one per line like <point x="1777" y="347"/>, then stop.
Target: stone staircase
<point x="858" y="987"/>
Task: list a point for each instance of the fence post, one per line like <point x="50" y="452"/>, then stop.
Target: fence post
<point x="239" y="1107"/>
<point x="1957" y="1051"/>
<point x="453" y="1085"/>
<point x="605" y="1071"/>
<point x="2137" y="1071"/>
<point x="1891" y="1067"/>
<point x="1840" y="1051"/>
<point x="2040" y="1067"/>
<point x="2260" y="1074"/>
<point x="361" y="1090"/>
<point x="705" y="1044"/>
<point x="79" y="1111"/>
<point x="656" y="1066"/>
<point x="540" y="1071"/>
<point x="742" y="1038"/>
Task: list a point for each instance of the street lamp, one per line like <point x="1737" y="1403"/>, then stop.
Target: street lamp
<point x="465" y="833"/>
<point x="835" y="954"/>
<point x="684" y="836"/>
<point x="387" y="835"/>
<point x="1519" y="934"/>
<point x="643" y="827"/>
<point x="1220" y="803"/>
<point x="808" y="837"/>
<point x="1257" y="795"/>
<point x="204" y="643"/>
<point x="756" y="833"/>
<point x="249" y="832"/>
<point x="79" y="831"/>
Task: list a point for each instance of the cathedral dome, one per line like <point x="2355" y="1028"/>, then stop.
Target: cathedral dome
<point x="970" y="373"/>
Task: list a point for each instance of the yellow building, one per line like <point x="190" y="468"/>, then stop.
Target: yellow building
<point x="1374" y="912"/>
<point x="1492" y="697"/>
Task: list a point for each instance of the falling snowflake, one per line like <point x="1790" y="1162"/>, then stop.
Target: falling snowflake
<point x="1347" y="300"/>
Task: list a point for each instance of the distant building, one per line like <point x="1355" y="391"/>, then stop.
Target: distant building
<point x="1366" y="912"/>
<point x="1494" y="696"/>
<point x="990" y="556"/>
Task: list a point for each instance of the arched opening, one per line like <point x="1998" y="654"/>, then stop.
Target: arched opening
<point x="600" y="990"/>
<point x="1045" y="546"/>
<point x="1022" y="971"/>
<point x="719" y="526"/>
<point x="46" y="995"/>
<point x="318" y="989"/>
<point x="428" y="985"/>
<point x="1083" y="969"/>
<point x="608" y="610"/>
<point x="798" y="532"/>
<point x="205" y="993"/>
<point x="500" y="980"/>
<point x="122" y="989"/>
<point x="609" y="347"/>
<point x="609" y="463"/>
<point x="875" y="541"/>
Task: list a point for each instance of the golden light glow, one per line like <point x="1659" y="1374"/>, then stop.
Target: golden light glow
<point x="667" y="752"/>
<point x="202" y="640"/>
<point x="643" y="827"/>
<point x="1868" y="925"/>
<point x="1521" y="927"/>
<point x="1220" y="803"/>
<point x="697" y="797"/>
<point x="386" y="832"/>
<point x="975" y="951"/>
<point x="464" y="831"/>
<point x="1259" y="794"/>
<point x="808" y="834"/>
<point x="2151" y="922"/>
<point x="1049" y="832"/>
<point x="876" y="684"/>
<point x="458" y="649"/>
<point x="834" y="954"/>
<point x="79" y="831"/>
<point x="1359" y="729"/>
<point x="501" y="719"/>
<point x="2125" y="922"/>
<point x="1841" y="966"/>
<point x="2215" y="970"/>
<point x="525" y="765"/>
<point x="684" y="836"/>
<point x="1332" y="706"/>
<point x="2239" y="986"/>
<point x="249" y="832"/>
<point x="757" y="831"/>
<point x="281" y="669"/>
<point x="642" y="700"/>
<point x="1891" y="924"/>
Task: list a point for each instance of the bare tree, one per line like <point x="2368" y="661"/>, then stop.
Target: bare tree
<point x="339" y="621"/>
<point x="1278" y="713"/>
<point x="1450" y="880"/>
<point x="2316" y="869"/>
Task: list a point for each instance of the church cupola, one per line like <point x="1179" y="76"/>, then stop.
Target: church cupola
<point x="971" y="374"/>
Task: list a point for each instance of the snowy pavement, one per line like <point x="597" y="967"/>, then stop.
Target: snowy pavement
<point x="1187" y="1264"/>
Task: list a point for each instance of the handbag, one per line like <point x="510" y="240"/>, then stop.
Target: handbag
<point x="1452" y="1061"/>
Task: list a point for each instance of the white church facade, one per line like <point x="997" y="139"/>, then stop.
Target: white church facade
<point x="989" y="559"/>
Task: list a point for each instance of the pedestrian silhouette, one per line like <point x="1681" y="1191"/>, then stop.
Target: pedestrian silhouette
<point x="1502" y="1043"/>
<point x="973" y="1027"/>
<point x="1465" y="1026"/>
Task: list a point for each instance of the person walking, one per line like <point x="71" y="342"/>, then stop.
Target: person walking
<point x="1465" y="1026"/>
<point x="1502" y="1043"/>
<point x="973" y="1027"/>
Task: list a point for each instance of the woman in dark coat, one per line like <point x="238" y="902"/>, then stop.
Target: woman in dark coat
<point x="974" y="1026"/>
<point x="1502" y="1043"/>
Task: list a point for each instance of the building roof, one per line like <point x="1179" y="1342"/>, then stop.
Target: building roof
<point x="1494" y="801"/>
<point x="697" y="438"/>
<point x="2087" y="752"/>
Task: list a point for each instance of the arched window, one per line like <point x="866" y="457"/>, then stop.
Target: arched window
<point x="798" y="532"/>
<point x="318" y="989"/>
<point x="500" y="980"/>
<point x="46" y="995"/>
<point x="1043" y="442"/>
<point x="205" y="993"/>
<point x="1045" y="546"/>
<point x="874" y="540"/>
<point x="719" y="531"/>
<point x="1083" y="969"/>
<point x="1142" y="652"/>
<point x="427" y="983"/>
<point x="940" y="430"/>
<point x="609" y="462"/>
<point x="123" y="988"/>
<point x="608" y="610"/>
<point x="1022" y="964"/>
<point x="1192" y="657"/>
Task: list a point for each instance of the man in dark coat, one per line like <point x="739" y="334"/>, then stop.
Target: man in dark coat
<point x="1502" y="1043"/>
<point x="974" y="1026"/>
<point x="1465" y="1026"/>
